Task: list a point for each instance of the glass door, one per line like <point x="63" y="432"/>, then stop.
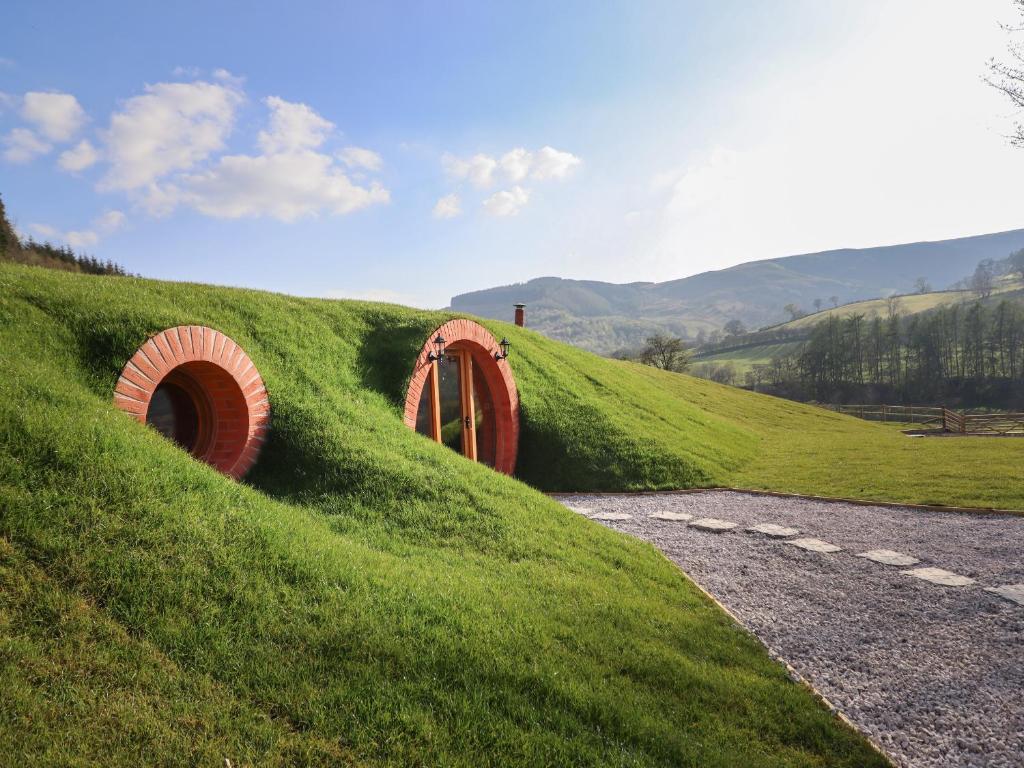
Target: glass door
<point x="455" y="396"/>
<point x="455" y="408"/>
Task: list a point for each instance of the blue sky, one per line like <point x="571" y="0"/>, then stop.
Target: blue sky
<point x="412" y="151"/>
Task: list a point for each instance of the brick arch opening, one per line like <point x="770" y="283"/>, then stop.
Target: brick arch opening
<point x="495" y="414"/>
<point x="198" y="388"/>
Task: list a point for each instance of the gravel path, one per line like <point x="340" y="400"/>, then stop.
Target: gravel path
<point x="934" y="674"/>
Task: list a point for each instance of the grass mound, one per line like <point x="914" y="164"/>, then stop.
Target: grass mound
<point x="367" y="596"/>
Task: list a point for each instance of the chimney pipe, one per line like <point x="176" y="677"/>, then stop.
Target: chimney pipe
<point x="520" y="314"/>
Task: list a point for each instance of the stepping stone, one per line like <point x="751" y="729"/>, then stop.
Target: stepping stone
<point x="713" y="524"/>
<point x="611" y="516"/>
<point x="889" y="557"/>
<point x="1014" y="592"/>
<point x="940" y="576"/>
<point x="671" y="516"/>
<point x="773" y="530"/>
<point x="580" y="510"/>
<point x="815" y="545"/>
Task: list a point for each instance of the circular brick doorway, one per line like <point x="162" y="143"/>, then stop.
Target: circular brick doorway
<point x="198" y="388"/>
<point x="469" y="402"/>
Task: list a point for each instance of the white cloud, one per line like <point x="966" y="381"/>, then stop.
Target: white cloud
<point x="171" y="127"/>
<point x="550" y="163"/>
<point x="284" y="186"/>
<point x="712" y="178"/>
<point x="447" y="207"/>
<point x="58" y="116"/>
<point x="358" y="157"/>
<point x="21" y="145"/>
<point x="516" y="164"/>
<point x="293" y="127"/>
<point x="110" y="222"/>
<point x="101" y="226"/>
<point x="288" y="181"/>
<point x="478" y="169"/>
<point x="45" y="230"/>
<point x="79" y="157"/>
<point x="229" y="79"/>
<point x="508" y="202"/>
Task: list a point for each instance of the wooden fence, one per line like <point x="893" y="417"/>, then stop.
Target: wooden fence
<point x="904" y="414"/>
<point x="938" y="418"/>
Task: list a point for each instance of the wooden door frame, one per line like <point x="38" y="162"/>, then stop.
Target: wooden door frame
<point x="491" y="371"/>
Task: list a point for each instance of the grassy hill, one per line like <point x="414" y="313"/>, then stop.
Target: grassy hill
<point x="604" y="317"/>
<point x="368" y="596"/>
<point x="1006" y="287"/>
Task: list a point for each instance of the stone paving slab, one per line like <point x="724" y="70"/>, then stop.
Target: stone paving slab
<point x="580" y="510"/>
<point x="773" y="530"/>
<point x="940" y="576"/>
<point x="1014" y="592"/>
<point x="671" y="516"/>
<point x="611" y="516"/>
<point x="815" y="545"/>
<point x="889" y="557"/>
<point x="713" y="524"/>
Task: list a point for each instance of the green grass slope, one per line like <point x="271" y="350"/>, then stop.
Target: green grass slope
<point x="367" y="597"/>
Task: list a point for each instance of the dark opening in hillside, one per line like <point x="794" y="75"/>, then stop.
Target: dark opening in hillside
<point x="198" y="388"/>
<point x="173" y="413"/>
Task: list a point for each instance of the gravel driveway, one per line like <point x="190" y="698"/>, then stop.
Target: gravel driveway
<point x="932" y="673"/>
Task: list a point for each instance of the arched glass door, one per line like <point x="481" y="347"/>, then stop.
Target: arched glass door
<point x="456" y="408"/>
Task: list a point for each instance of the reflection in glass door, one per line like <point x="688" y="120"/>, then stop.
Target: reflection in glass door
<point x="449" y="386"/>
<point x="456" y="408"/>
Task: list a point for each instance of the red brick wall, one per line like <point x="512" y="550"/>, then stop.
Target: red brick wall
<point x="467" y="335"/>
<point x="216" y="366"/>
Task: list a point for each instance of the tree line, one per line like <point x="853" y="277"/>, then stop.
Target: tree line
<point x="29" y="251"/>
<point x="968" y="353"/>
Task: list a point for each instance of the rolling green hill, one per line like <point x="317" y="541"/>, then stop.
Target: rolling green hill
<point x="369" y="597"/>
<point x="1006" y="287"/>
<point x="604" y="317"/>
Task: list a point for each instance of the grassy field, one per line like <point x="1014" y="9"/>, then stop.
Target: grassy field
<point x="745" y="359"/>
<point x="369" y="597"/>
<point x="909" y="304"/>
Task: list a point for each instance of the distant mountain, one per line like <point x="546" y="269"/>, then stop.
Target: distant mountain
<point x="604" y="317"/>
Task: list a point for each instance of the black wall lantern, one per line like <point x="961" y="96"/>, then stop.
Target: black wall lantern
<point x="438" y="352"/>
<point x="504" y="344"/>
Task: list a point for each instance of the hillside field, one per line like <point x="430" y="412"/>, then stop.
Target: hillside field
<point x="368" y="597"/>
<point x="909" y="304"/>
<point x="745" y="357"/>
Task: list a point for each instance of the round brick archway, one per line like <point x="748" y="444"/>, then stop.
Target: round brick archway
<point x="207" y="388"/>
<point x="471" y="338"/>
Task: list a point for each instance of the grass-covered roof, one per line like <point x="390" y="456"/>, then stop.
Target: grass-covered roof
<point x="368" y="596"/>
